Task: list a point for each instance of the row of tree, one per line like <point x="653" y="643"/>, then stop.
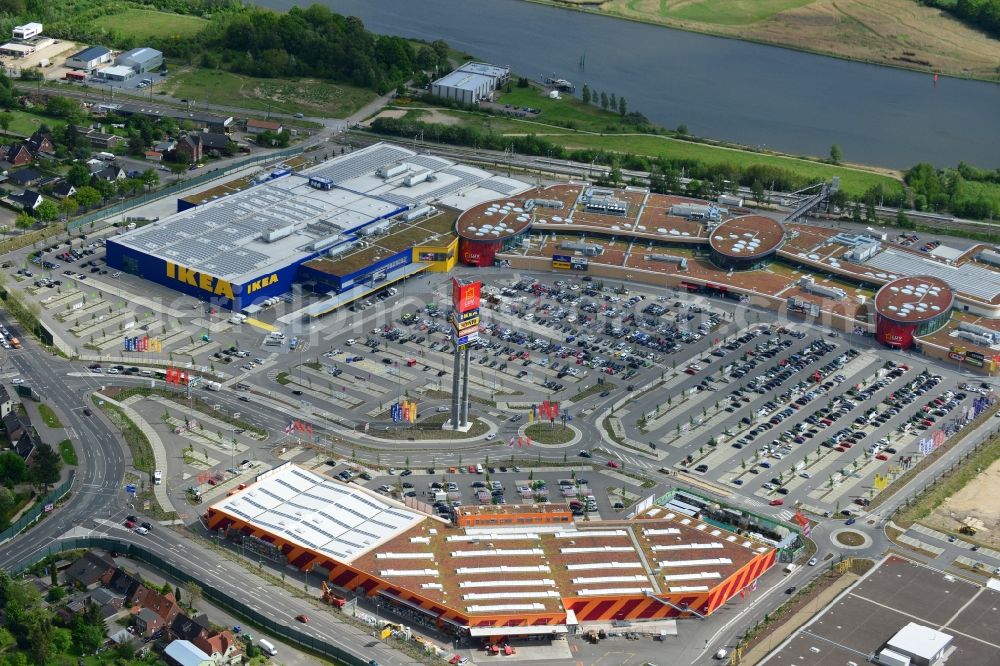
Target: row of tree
<point x="604" y="100"/>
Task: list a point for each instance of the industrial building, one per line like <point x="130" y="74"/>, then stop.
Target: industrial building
<point x="116" y="73"/>
<point x="349" y="225"/>
<point x="496" y="571"/>
<point x="209" y="121"/>
<point x="471" y="82"/>
<point x="910" y="307"/>
<point x="141" y="60"/>
<point x="89" y="58"/>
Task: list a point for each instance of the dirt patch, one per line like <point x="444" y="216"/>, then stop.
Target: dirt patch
<point x="387" y="113"/>
<point x="980" y="500"/>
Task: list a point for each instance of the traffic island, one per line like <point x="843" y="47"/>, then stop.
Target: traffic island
<point x="551" y="434"/>
<point x="851" y="539"/>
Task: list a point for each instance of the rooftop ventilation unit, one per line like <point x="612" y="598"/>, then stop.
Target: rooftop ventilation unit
<point x="387" y="172"/>
<point x="588" y="249"/>
<point x="682" y="262"/>
<point x="272" y="235"/>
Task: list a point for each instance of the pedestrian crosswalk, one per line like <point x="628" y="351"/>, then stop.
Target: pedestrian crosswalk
<point x="631" y="461"/>
<point x="785" y="514"/>
<point x="753" y="501"/>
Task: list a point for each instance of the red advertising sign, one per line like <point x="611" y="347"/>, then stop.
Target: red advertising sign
<point x="465" y="295"/>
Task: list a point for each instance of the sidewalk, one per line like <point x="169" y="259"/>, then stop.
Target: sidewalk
<point x="155" y="443"/>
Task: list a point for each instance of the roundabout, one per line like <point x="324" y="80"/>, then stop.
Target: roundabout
<point x="551" y="436"/>
<point x="850" y="539"/>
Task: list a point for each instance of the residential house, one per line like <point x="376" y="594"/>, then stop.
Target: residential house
<point x="163" y="605"/>
<point x="188" y="628"/>
<point x="6" y="404"/>
<point x="190" y="146"/>
<point x="102" y="140"/>
<point x="110" y="603"/>
<point x="125" y="584"/>
<point x="186" y="653"/>
<point x="21" y="435"/>
<point x="90" y="571"/>
<point x="24" y="177"/>
<point x="15" y="155"/>
<point x="222" y="647"/>
<point x="165" y="146"/>
<point x="63" y="189"/>
<point x="110" y="173"/>
<point x="214" y="142"/>
<point x="27" y="201"/>
<point x="147" y="623"/>
<point x="255" y="126"/>
<point x="40" y="142"/>
<point x="153" y="156"/>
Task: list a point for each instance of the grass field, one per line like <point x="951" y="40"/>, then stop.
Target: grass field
<point x="26" y="123"/>
<point x="852" y="181"/>
<point x="49" y="416"/>
<point x="719" y="12"/>
<point x="590" y="118"/>
<point x="307" y="96"/>
<point x="145" y="24"/>
<point x="68" y="453"/>
<point x="897" y="32"/>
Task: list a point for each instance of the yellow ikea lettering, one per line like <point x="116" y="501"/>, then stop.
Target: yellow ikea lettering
<point x="203" y="281"/>
<point x="257" y="285"/>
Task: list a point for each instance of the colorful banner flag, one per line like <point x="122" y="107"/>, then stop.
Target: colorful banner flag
<point x="289" y="427"/>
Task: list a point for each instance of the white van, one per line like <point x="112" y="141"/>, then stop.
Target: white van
<point x="479" y="469"/>
<point x="267" y="646"/>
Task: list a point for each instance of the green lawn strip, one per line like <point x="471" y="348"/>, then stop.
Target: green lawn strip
<point x="549" y="433"/>
<point x="852" y="181"/>
<point x="592" y="390"/>
<point x="430" y="428"/>
<point x="312" y="97"/>
<point x="26" y="123"/>
<point x="138" y="444"/>
<point x="727" y="12"/>
<point x="146" y="24"/>
<point x="68" y="453"/>
<point x="282" y="378"/>
<point x="49" y="417"/>
<point x="567" y="110"/>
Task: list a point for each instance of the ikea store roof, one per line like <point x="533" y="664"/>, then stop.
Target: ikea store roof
<point x="284" y="219"/>
<point x="339" y="520"/>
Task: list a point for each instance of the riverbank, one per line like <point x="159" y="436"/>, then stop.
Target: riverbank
<point x="894" y="33"/>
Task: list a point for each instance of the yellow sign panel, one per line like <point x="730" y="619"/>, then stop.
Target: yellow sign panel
<point x="561" y="264"/>
<point x="385" y="633"/>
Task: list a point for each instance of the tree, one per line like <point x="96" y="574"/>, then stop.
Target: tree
<point x="5" y="120"/>
<point x="584" y="95"/>
<point x="604" y="101"/>
<point x="12" y="468"/>
<point x="136" y="146"/>
<point x="47" y="211"/>
<point x="47" y="465"/>
<point x="7" y="500"/>
<point x="682" y="129"/>
<point x="24" y="220"/>
<point x="177" y="593"/>
<point x="193" y="591"/>
<point x="68" y="206"/>
<point x="150" y="178"/>
<point x="89" y="635"/>
<point x="622" y="107"/>
<point x="836" y="154"/>
<point x="613" y="102"/>
<point x="78" y="175"/>
<point x="757" y="191"/>
<point x="88" y="196"/>
<point x="105" y="188"/>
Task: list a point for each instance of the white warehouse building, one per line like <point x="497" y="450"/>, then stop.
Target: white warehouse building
<point x="89" y="59"/>
<point x="471" y="83"/>
<point x="26" y="31"/>
<point x="141" y="60"/>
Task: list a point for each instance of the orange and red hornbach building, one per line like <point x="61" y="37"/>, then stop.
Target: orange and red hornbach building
<point x="530" y="573"/>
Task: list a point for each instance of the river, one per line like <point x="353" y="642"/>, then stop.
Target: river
<point x="721" y="88"/>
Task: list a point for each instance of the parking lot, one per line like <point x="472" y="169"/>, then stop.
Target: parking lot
<point x="861" y="622"/>
<point x="783" y="417"/>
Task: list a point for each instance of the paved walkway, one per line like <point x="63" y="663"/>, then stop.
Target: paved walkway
<point x="155" y="443"/>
